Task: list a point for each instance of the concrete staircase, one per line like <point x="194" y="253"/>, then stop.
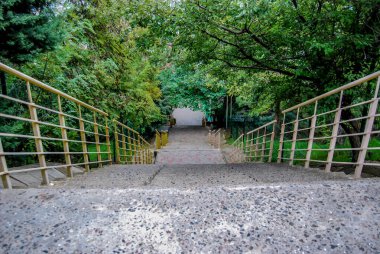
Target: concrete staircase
<point x="194" y="204"/>
<point x="244" y="208"/>
<point x="188" y="145"/>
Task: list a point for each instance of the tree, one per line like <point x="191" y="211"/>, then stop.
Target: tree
<point x="28" y="27"/>
<point x="311" y="46"/>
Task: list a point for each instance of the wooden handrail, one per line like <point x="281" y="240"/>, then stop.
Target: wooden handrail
<point x="125" y="126"/>
<point x="38" y="83"/>
<point x="99" y="123"/>
<point x="314" y="123"/>
<point x="335" y="91"/>
<point x="263" y="126"/>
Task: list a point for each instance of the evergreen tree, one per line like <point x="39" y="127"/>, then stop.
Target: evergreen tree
<point x="27" y="27"/>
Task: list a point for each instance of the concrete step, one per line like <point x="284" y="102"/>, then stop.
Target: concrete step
<point x="110" y="177"/>
<point x="316" y="217"/>
<point x="189" y="156"/>
<point x="34" y="179"/>
<point x="233" y="175"/>
<point x="194" y="176"/>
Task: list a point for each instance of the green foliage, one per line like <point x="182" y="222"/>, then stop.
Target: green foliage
<point x="104" y="63"/>
<point x="308" y="47"/>
<point x="190" y="87"/>
<point x="28" y="27"/>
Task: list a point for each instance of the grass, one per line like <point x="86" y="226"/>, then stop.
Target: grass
<point x="103" y="148"/>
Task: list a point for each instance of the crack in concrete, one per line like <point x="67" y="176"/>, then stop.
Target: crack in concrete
<point x="155" y="173"/>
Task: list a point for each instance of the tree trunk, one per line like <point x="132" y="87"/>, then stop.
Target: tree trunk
<point x="277" y="113"/>
<point x="353" y="126"/>
<point x="3" y="83"/>
<point x="355" y="141"/>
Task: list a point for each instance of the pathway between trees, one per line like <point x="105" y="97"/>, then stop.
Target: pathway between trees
<point x="189" y="145"/>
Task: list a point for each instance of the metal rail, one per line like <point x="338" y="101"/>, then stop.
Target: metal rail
<point x="323" y="129"/>
<point x="215" y="138"/>
<point x="317" y="129"/>
<point x="131" y="147"/>
<point x="92" y="130"/>
<point x="259" y="143"/>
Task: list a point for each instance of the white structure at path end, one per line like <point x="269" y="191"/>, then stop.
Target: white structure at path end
<point x="188" y="117"/>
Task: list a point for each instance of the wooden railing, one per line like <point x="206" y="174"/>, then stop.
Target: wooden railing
<point x="215" y="138"/>
<point x="162" y="139"/>
<point x="78" y="131"/>
<point x="348" y="112"/>
<point x="259" y="143"/>
<point x="131" y="147"/>
<point x="238" y="149"/>
<point x="320" y="130"/>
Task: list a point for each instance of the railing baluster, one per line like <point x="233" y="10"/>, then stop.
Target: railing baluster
<point x="311" y="136"/>
<point x="251" y="147"/>
<point x="135" y="155"/>
<point x="117" y="146"/>
<point x="83" y="139"/>
<point x="281" y="143"/>
<point x="263" y="145"/>
<point x="37" y="136"/>
<point x="7" y="184"/>
<point x="334" y="134"/>
<point x="368" y="129"/>
<point x="108" y="142"/>
<point x="257" y="145"/>
<point x="294" y="139"/>
<point x="123" y="145"/>
<point x="139" y="149"/>
<point x="65" y="143"/>
<point x="272" y="141"/>
<point x="130" y="147"/>
<point x="98" y="150"/>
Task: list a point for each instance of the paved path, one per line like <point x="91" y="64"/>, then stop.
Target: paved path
<point x="320" y="217"/>
<point x="188" y="145"/>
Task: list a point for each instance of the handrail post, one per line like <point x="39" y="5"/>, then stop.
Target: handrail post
<point x="145" y="155"/>
<point x="84" y="142"/>
<point x="37" y="137"/>
<point x="334" y="134"/>
<point x="65" y="143"/>
<point x="263" y="145"/>
<point x="117" y="146"/>
<point x="367" y="131"/>
<point x="311" y="136"/>
<point x="123" y="145"/>
<point x="257" y="144"/>
<point x="139" y="149"/>
<point x="272" y="141"/>
<point x="294" y="139"/>
<point x="135" y="149"/>
<point x="250" y="143"/>
<point x="130" y="152"/>
<point x="281" y="143"/>
<point x="98" y="150"/>
<point x="243" y="148"/>
<point x="108" y="142"/>
<point x="7" y="184"/>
